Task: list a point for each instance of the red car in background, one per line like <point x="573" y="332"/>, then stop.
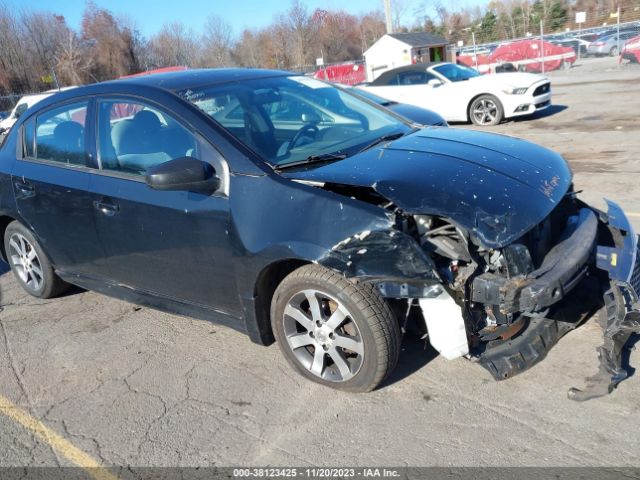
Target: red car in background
<point x="346" y="73"/>
<point x="631" y="50"/>
<point x="523" y="55"/>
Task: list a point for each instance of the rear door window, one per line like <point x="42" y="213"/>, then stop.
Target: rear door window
<point x="60" y="134"/>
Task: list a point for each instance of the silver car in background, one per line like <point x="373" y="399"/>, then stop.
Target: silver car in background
<point x="609" y="44"/>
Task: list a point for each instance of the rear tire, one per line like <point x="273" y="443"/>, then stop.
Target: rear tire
<point x="333" y="331"/>
<point x="30" y="265"/>
<point x="486" y="110"/>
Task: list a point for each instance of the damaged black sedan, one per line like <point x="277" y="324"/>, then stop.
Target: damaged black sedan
<point x="296" y="212"/>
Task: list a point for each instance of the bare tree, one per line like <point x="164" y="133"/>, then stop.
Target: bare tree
<point x="174" y="45"/>
<point x="45" y="34"/>
<point x="107" y="43"/>
<point x="71" y="65"/>
<point x="14" y="72"/>
<point x="217" y="43"/>
<point x="372" y="27"/>
<point x="248" y="51"/>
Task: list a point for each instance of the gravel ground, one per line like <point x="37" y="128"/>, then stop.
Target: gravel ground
<point x="133" y="386"/>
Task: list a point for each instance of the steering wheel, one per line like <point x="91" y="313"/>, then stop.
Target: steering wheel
<point x="309" y="128"/>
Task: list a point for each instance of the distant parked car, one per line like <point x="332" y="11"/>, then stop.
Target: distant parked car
<point x="631" y="50"/>
<point x="23" y="104"/>
<point x="577" y="44"/>
<point x="609" y="45"/>
<point x="419" y="115"/>
<point x="479" y="50"/>
<point x="4" y="115"/>
<point x="461" y="94"/>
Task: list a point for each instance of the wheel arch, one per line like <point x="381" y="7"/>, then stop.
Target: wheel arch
<point x="259" y="327"/>
<point x="5" y="220"/>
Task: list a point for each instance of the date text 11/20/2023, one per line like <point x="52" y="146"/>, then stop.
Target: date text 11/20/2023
<point x="292" y="472"/>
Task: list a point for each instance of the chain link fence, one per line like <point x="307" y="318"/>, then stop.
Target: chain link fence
<point x="544" y="41"/>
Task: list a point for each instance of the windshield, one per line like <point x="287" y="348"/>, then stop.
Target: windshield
<point x="456" y="73"/>
<point x="290" y="119"/>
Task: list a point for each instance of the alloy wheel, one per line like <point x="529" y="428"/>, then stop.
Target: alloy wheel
<point x="485" y="111"/>
<point x="25" y="261"/>
<point x="322" y="335"/>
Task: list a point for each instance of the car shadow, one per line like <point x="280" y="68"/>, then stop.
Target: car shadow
<point x="73" y="290"/>
<point x="625" y="358"/>
<point x="547" y="112"/>
<point x="414" y="354"/>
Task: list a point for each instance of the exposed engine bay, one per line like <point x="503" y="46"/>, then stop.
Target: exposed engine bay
<point x="506" y="307"/>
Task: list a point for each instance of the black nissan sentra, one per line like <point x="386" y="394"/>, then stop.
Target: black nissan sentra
<point x="294" y="211"/>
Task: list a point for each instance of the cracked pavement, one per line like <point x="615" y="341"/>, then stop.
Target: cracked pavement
<point x="133" y="386"/>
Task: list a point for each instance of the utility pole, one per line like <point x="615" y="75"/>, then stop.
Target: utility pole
<point x="475" y="50"/>
<point x="618" y="31"/>
<point x="387" y="15"/>
<point x="542" y="44"/>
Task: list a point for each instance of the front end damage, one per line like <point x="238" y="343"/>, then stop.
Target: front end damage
<point x="505" y="307"/>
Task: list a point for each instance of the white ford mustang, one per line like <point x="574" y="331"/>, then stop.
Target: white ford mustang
<point x="460" y="94"/>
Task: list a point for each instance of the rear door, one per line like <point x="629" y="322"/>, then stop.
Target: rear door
<point x="50" y="180"/>
<point x="174" y="244"/>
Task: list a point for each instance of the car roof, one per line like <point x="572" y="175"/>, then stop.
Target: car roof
<point x="415" y="67"/>
<point x="170" y="82"/>
<point x="184" y="79"/>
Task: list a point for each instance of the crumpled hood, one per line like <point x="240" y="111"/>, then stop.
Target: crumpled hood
<point x="497" y="187"/>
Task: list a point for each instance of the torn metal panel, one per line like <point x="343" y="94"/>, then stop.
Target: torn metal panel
<point x="621" y="316"/>
<point x="620" y="320"/>
<point x="381" y="255"/>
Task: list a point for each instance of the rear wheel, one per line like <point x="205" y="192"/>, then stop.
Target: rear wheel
<point x="30" y="265"/>
<point x="486" y="110"/>
<point x="333" y="331"/>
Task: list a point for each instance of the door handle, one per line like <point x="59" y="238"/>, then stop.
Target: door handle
<point x="26" y="189"/>
<point x="106" y="207"/>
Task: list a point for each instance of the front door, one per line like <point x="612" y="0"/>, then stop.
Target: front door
<point x="174" y="244"/>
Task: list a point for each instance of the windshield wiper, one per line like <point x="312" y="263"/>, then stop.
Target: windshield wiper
<point x="323" y="158"/>
<point x="387" y="138"/>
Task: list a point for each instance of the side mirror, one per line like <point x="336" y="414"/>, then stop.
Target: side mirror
<point x="434" y="82"/>
<point x="20" y="109"/>
<point x="185" y="174"/>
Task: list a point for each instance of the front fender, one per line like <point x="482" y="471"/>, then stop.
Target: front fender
<point x="382" y="255"/>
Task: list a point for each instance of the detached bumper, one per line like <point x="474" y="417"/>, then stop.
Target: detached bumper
<point x="602" y="246"/>
<point x="621" y="315"/>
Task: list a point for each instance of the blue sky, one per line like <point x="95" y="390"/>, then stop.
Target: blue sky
<point x="150" y="15"/>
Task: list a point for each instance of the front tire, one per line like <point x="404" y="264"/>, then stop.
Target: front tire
<point x="333" y="331"/>
<point x="29" y="264"/>
<point x="613" y="52"/>
<point x="486" y="110"/>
